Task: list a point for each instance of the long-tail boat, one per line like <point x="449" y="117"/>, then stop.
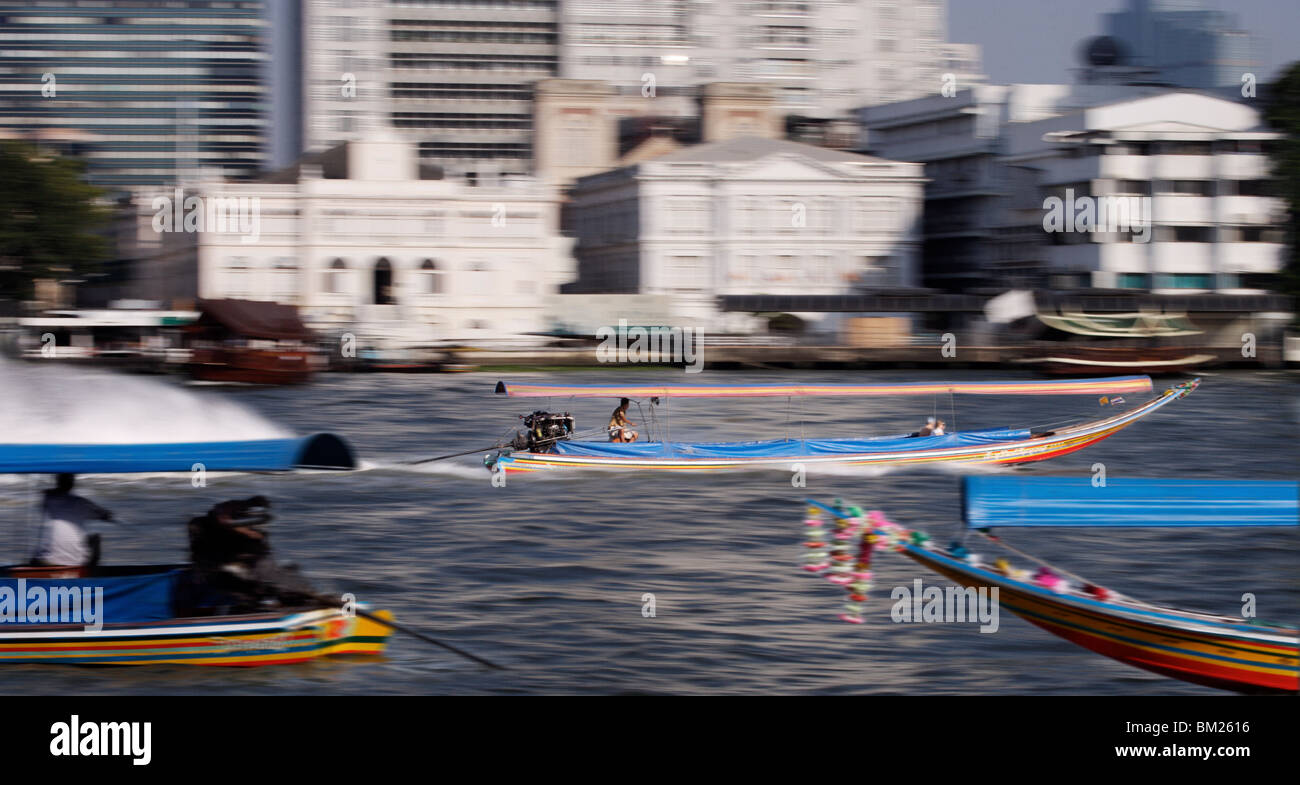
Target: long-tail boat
<point x="549" y="442"/>
<point x="138" y="621"/>
<point x="1237" y="653"/>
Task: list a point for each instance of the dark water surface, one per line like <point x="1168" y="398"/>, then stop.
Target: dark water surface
<point x="547" y="574"/>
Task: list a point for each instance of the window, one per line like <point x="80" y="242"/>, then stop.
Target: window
<point x="1184" y="234"/>
<point x="336" y="277"/>
<point x="1258" y="281"/>
<point x="685" y="273"/>
<point x="1255" y="187"/>
<point x="1133" y="281"/>
<point x="285" y="288"/>
<point x="1186" y="187"/>
<point x="1238" y="146"/>
<point x="1182" y="148"/>
<point x="237" y="277"/>
<point x="1189" y="281"/>
<point x="1135" y="187"/>
<point x="873" y="215"/>
<point x="383" y="282"/>
<point x="480" y="277"/>
<point x="1251" y="234"/>
<point x="432" y="274"/>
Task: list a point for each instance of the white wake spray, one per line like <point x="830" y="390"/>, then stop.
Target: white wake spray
<point x="46" y="403"/>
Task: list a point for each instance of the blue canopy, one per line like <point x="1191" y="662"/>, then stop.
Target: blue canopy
<point x="319" y="451"/>
<point x="780" y="448"/>
<point x="1074" y="501"/>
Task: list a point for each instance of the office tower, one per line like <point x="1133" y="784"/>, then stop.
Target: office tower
<point x="1179" y="43"/>
<point x="822" y="59"/>
<point x="453" y="76"/>
<point x="147" y="92"/>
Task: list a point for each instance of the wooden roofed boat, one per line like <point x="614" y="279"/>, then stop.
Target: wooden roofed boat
<point x="1140" y="342"/>
<point x="552" y="446"/>
<point x="138" y="621"/>
<point x="251" y="342"/>
<point x="1224" y="652"/>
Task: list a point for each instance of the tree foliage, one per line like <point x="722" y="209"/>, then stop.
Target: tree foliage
<point x="1283" y="115"/>
<point x="49" y="219"/>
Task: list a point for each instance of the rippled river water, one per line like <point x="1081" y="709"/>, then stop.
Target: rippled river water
<point x="547" y="574"/>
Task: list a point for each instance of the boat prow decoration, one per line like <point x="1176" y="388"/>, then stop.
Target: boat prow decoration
<point x="1224" y="652"/>
<point x="318" y="451"/>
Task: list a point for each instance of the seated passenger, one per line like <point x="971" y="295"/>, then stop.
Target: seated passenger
<point x="618" y="424"/>
<point x="928" y="429"/>
<point x="62" y="541"/>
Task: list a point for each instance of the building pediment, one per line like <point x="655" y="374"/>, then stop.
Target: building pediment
<point x="787" y="166"/>
<point x="1162" y="128"/>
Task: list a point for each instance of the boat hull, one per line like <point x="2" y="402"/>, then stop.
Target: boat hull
<point x="1038" y="447"/>
<point x="243" y="641"/>
<point x="1197" y="648"/>
<point x="251" y="366"/>
<point x="1092" y="360"/>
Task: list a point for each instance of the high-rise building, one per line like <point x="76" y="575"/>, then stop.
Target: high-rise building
<point x="456" y="76"/>
<point x="452" y="76"/>
<point x="1178" y="43"/>
<point x="822" y="58"/>
<point x="147" y="92"/>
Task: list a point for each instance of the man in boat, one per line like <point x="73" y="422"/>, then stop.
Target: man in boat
<point x="63" y="541"/>
<point x="233" y="567"/>
<point x="618" y="424"/>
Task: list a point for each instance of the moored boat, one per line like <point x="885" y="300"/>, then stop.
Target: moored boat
<point x="249" y="342"/>
<point x="1139" y="342"/>
<point x="1072" y="360"/>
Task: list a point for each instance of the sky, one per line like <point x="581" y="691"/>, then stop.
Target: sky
<point x="1037" y="41"/>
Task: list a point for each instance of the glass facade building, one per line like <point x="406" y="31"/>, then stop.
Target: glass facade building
<point x="146" y="92"/>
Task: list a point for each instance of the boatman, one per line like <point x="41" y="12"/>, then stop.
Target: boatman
<point x="231" y="553"/>
<point x="63" y="541"/>
<point x="618" y="424"/>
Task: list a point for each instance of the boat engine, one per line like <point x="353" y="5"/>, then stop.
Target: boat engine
<point x="544" y="430"/>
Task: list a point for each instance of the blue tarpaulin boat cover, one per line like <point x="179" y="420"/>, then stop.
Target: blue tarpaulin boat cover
<point x="1076" y="501"/>
<point x="322" y="450"/>
<point x="128" y="599"/>
<point x="779" y="448"/>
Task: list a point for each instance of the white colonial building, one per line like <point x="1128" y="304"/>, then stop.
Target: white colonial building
<point x="993" y="154"/>
<point x="746" y="216"/>
<point x="358" y="241"/>
<point x="1201" y="161"/>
